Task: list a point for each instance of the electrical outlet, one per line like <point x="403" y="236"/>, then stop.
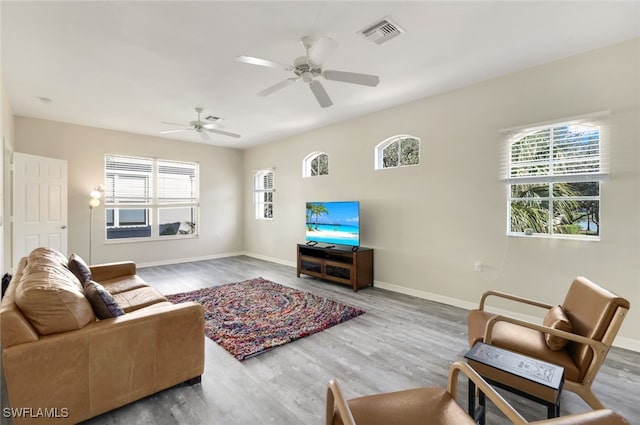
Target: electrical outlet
<point x="477" y="266"/>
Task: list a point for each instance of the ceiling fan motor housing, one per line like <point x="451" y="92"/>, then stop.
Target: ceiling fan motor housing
<point x="302" y="68"/>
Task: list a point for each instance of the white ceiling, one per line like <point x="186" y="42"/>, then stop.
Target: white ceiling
<point x="131" y="65"/>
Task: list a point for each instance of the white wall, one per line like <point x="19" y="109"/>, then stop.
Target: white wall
<point x="429" y="223"/>
<point x="221" y="202"/>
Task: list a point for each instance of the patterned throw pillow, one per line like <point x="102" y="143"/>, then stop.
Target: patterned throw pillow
<point x="79" y="268"/>
<point x="557" y="319"/>
<point x="103" y="304"/>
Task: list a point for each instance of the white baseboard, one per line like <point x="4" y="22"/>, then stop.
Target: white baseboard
<point x="621" y="342"/>
<point x="189" y="259"/>
<point x="270" y="259"/>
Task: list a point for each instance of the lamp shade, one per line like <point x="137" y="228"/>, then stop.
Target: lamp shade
<point x="94" y="202"/>
<point x="95" y="194"/>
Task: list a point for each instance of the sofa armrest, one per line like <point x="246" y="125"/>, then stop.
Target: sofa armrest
<point x="102" y="272"/>
<point x="511" y="297"/>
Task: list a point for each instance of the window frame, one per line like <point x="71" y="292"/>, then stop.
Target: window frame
<point x="262" y="194"/>
<point x="558" y="171"/>
<point x="380" y="148"/>
<point x="307" y="164"/>
<point x="154" y="199"/>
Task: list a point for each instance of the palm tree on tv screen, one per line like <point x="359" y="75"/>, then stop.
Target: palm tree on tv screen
<point x="316" y="210"/>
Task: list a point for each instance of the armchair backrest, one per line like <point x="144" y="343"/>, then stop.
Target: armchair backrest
<point x="592" y="312"/>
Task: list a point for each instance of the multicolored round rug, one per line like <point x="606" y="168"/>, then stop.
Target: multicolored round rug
<point x="254" y="316"/>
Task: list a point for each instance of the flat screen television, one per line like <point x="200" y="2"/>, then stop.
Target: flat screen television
<point x="333" y="223"/>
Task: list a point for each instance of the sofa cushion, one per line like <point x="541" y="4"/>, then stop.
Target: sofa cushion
<point x="123" y="284"/>
<point x="79" y="268"/>
<point x="557" y="319"/>
<point x="103" y="303"/>
<point x="50" y="296"/>
<point x="138" y="298"/>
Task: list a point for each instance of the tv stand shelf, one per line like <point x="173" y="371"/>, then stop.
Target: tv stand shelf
<point x="353" y="268"/>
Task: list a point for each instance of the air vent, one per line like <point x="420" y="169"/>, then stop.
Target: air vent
<point x="382" y="31"/>
<point x="212" y="118"/>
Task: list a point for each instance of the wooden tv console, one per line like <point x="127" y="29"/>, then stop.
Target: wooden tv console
<point x="354" y="268"/>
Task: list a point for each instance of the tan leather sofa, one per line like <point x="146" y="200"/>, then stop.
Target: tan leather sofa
<point x="63" y="365"/>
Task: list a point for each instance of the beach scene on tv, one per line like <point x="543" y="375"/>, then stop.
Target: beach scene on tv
<point x="333" y="223"/>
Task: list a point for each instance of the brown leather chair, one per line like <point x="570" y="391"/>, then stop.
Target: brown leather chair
<point x="437" y="406"/>
<point x="576" y="335"/>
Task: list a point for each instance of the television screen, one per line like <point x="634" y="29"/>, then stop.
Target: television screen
<point x="333" y="223"/>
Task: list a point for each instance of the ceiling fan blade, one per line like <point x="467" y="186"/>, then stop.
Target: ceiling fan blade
<point x="175" y="131"/>
<point x="276" y="87"/>
<point x="224" y="133"/>
<point x="263" y="62"/>
<point x="352" y="77"/>
<point x="175" y="123"/>
<point x="322" y="48"/>
<point x="204" y="135"/>
<point x="320" y="93"/>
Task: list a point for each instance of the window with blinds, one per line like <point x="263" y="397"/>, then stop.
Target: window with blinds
<point x="554" y="178"/>
<point x="263" y="190"/>
<point x="150" y="198"/>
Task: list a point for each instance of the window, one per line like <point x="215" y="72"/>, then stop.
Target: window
<point x="150" y="198"/>
<point x="315" y="164"/>
<point x="263" y="194"/>
<point x="397" y="151"/>
<point x="554" y="178"/>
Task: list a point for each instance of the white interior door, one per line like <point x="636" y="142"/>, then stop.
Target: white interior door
<point x="39" y="204"/>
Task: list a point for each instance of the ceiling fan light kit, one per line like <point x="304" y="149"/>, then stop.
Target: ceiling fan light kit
<point x="309" y="67"/>
<point x="201" y="127"/>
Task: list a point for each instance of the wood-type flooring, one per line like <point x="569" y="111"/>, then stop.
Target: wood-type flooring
<point x="401" y="342"/>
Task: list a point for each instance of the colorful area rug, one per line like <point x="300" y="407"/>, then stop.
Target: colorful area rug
<point x="254" y="316"/>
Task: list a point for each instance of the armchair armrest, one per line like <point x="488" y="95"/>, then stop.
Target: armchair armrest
<point x="595" y="417"/>
<point x="596" y="346"/>
<point x="512" y="298"/>
<point x="482" y="385"/>
<point x="108" y="271"/>
<point x="336" y="400"/>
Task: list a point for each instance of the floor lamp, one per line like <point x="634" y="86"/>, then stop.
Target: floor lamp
<point x="94" y="201"/>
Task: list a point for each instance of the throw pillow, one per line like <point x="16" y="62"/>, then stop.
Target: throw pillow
<point x="557" y="319"/>
<point x="103" y="304"/>
<point x="79" y="268"/>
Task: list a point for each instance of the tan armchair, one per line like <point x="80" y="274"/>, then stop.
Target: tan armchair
<point x="437" y="406"/>
<point x="576" y="335"/>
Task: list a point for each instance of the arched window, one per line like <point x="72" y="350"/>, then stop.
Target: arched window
<point x="397" y="151"/>
<point x="315" y="164"/>
<point x="554" y="178"/>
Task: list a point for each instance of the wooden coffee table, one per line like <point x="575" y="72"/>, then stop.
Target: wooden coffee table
<point x="526" y="376"/>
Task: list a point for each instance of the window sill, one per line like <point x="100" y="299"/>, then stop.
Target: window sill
<point x="150" y="239"/>
<point x="563" y="237"/>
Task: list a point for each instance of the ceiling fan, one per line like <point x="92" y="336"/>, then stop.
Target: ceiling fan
<point x="201" y="127"/>
<point x="309" y="67"/>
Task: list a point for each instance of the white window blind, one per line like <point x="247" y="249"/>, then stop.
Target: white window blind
<point x="177" y="182"/>
<point x="561" y="153"/>
<point x="128" y="180"/>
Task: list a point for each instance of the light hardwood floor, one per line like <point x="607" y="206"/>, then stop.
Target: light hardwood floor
<point x="401" y="342"/>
